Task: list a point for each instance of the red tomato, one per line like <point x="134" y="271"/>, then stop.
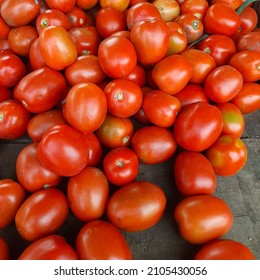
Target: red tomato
<point x="144" y="42"/>
<point x="169" y="9"/>
<point x="119" y="5"/>
<point x="41" y="214"/>
<point x="228" y="155"/>
<point x="79" y="18"/>
<point x="4" y="249"/>
<point x="86" y="4"/>
<point x="117" y="56"/>
<point x="51" y="247"/>
<point x="13" y="119"/>
<point x="234" y="4"/>
<point x="62" y="5"/>
<point x="249" y="41"/>
<point x="12" y="195"/>
<point x="101" y="240"/>
<point x="196" y="7"/>
<point x="121" y="166"/>
<point x="136" y="206"/>
<point x="5" y="94"/>
<point x="31" y="174"/>
<point x="178" y="39"/>
<point x="86" y="107"/>
<point x="88" y="193"/>
<point x="4" y="29"/>
<point x="202" y="218"/>
<point x="172" y="73"/>
<point x="224" y="249"/>
<point x="194" y="174"/>
<point x="38" y="96"/>
<point x="57" y="48"/>
<point x="153" y="144"/>
<point x="249" y="20"/>
<point x="35" y="58"/>
<point x="138" y="76"/>
<point x="204" y="123"/>
<point x="223" y="84"/>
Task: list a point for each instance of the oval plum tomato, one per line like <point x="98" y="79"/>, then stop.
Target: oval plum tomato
<point x="153" y="144"/>
<point x="4" y="249"/>
<point x="202" y="64"/>
<point x="203" y="218"/>
<point x="86" y="4"/>
<point x="95" y="149"/>
<point x="88" y="193"/>
<point x="172" y="73"/>
<point x="119" y="5"/>
<point x="13" y="119"/>
<point x="101" y="240"/>
<point x="52" y="247"/>
<point x="192" y="93"/>
<point x="35" y="57"/>
<point x="196" y="7"/>
<point x="249" y="20"/>
<point x="61" y="5"/>
<point x="248" y="64"/>
<point x="5" y="94"/>
<point x="117" y="56"/>
<point x="220" y="47"/>
<point x="17" y="13"/>
<point x="249" y="41"/>
<point x="248" y="98"/>
<point x="4" y="29"/>
<point x="115" y="132"/>
<point x="57" y="48"/>
<point x="12" y="195"/>
<point x="136" y="206"/>
<point x="224" y="249"/>
<point x="228" y="155"/>
<point x="31" y="174"/>
<point x="41" y="89"/>
<point x="194" y="174"/>
<point x="124" y="98"/>
<point x="204" y="123"/>
<point x="223" y="83"/>
<point x="86" y="107"/>
<point x="79" y="18"/>
<point x="221" y="19"/>
<point x="233" y="119"/>
<point x="144" y="42"/>
<point x="53" y="149"/>
<point x="161" y="108"/>
<point x="169" y="9"/>
<point x="178" y="39"/>
<point x="41" y="214"/>
<point x="121" y="166"/>
<point x="12" y="69"/>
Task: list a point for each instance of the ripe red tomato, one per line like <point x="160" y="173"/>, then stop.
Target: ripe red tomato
<point x="4" y="249"/>
<point x="5" y="94"/>
<point x="13" y="119"/>
<point x="121" y="166"/>
<point x="172" y="73"/>
<point x="79" y="18"/>
<point x="62" y="5"/>
<point x="88" y="193"/>
<point x="153" y="144"/>
<point x="35" y="58"/>
<point x="136" y="206"/>
<point x="86" y="4"/>
<point x="178" y="39"/>
<point x="249" y="41"/>
<point x="138" y="75"/>
<point x="194" y="174"/>
<point x="4" y="29"/>
<point x="224" y="249"/>
<point x="249" y="20"/>
<point x="38" y="96"/>
<point x="203" y="218"/>
<point x="41" y="214"/>
<point x="119" y="5"/>
<point x="101" y="240"/>
<point x="12" y="195"/>
<point x="51" y="247"/>
<point x="52" y="150"/>
<point x="228" y="155"/>
<point x="234" y="4"/>
<point x="196" y="7"/>
<point x="204" y="123"/>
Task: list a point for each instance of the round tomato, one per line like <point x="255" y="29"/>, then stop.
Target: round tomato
<point x="138" y="76"/>
<point x="12" y="196"/>
<point x="196" y="7"/>
<point x="202" y="218"/>
<point x="194" y="174"/>
<point x="4" y="249"/>
<point x="79" y="18"/>
<point x="87" y="193"/>
<point x="41" y="214"/>
<point x="249" y="20"/>
<point x="101" y="240"/>
<point x="136" y="206"/>
<point x="204" y="123"/>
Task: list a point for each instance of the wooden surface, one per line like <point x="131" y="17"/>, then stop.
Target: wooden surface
<point x="241" y="192"/>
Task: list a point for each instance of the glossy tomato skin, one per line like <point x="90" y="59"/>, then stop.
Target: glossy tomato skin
<point x="61" y="5"/>
<point x="121" y="166"/>
<point x="178" y="39"/>
<point x="228" y="155"/>
<point x="249" y="41"/>
<point x="12" y="195"/>
<point x="41" y="214"/>
<point x="51" y="247"/>
<point x="31" y="174"/>
<point x="4" y="249"/>
<point x="136" y="206"/>
<point x="119" y="5"/>
<point x="196" y="7"/>
<point x="204" y="123"/>
<point x="203" y="218"/>
<point x="194" y="174"/>
<point x="168" y="9"/>
<point x="51" y="150"/>
<point x="35" y="57"/>
<point x="40" y="90"/>
<point x="88" y="193"/>
<point x="225" y="249"/>
<point x="101" y="240"/>
<point x="4" y="29"/>
<point x="249" y="20"/>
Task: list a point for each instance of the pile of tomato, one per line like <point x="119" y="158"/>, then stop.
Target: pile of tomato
<point x="100" y="87"/>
